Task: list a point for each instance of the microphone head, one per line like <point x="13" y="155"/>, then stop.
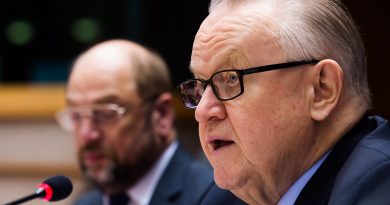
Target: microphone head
<point x="56" y="188"/>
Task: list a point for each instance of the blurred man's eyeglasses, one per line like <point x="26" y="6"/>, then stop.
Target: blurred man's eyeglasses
<point x="226" y="84"/>
<point x="70" y="118"/>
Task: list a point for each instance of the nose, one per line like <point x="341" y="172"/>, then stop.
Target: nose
<point x="87" y="130"/>
<point x="209" y="107"/>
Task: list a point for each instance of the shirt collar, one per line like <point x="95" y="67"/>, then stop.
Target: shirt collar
<point x="141" y="193"/>
<point x="293" y="192"/>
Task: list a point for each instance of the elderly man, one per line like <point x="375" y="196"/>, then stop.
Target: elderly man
<point x="120" y="110"/>
<point x="281" y="95"/>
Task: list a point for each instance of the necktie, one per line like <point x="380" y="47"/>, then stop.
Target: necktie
<point x="119" y="199"/>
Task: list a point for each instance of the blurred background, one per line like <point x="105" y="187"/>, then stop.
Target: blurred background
<point x="40" y="39"/>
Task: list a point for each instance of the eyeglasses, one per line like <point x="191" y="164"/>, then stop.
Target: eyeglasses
<point x="226" y="84"/>
<point x="70" y="118"/>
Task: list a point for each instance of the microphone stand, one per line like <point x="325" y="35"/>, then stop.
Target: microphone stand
<point x="38" y="193"/>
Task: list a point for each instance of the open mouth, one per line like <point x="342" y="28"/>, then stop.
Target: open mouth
<point x="218" y="144"/>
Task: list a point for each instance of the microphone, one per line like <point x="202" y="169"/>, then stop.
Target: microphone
<point x="52" y="189"/>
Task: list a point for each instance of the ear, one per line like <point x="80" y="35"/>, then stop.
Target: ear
<point x="327" y="84"/>
<point x="163" y="114"/>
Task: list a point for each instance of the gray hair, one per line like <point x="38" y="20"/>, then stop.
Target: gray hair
<point x="319" y="29"/>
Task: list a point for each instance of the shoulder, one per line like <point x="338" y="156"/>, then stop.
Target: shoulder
<point x="197" y="176"/>
<point x="365" y="178"/>
<point x="372" y="151"/>
<point x="90" y="198"/>
<point x="184" y="181"/>
<point x="190" y="167"/>
<point x="218" y="196"/>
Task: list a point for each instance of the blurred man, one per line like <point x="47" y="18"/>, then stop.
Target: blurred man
<point x="281" y="97"/>
<point x="120" y="109"/>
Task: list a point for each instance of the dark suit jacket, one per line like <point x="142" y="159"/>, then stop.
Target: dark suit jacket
<point x="357" y="171"/>
<point x="184" y="182"/>
<point x="217" y="196"/>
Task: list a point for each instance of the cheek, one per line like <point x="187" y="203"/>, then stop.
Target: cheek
<point x="275" y="104"/>
<point x="123" y="138"/>
<point x="201" y="133"/>
<point x="78" y="141"/>
<point x="133" y="139"/>
<point x="264" y="126"/>
<point x="255" y="136"/>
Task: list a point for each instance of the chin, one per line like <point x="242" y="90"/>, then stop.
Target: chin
<point x="222" y="184"/>
<point x="100" y="176"/>
<point x="230" y="178"/>
<point x="225" y="181"/>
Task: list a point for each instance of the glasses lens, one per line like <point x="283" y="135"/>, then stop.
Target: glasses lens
<point x="104" y="114"/>
<point x="226" y="84"/>
<point x="64" y="120"/>
<point x="71" y="118"/>
<point x="191" y="92"/>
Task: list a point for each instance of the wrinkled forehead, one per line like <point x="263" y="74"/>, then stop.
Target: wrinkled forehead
<point x="236" y="37"/>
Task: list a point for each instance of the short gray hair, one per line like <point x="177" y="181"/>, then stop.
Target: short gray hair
<point x="319" y="29"/>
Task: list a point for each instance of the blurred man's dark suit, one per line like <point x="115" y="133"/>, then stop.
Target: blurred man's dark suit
<point x="184" y="182"/>
<point x="357" y="170"/>
<point x="217" y="196"/>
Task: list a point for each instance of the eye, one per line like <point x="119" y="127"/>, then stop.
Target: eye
<point x="231" y="79"/>
<point x="75" y="116"/>
<point x="104" y="114"/>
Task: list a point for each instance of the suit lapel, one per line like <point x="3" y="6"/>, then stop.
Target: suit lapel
<point x="319" y="187"/>
<point x="170" y="186"/>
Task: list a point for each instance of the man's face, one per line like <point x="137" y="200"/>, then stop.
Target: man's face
<point x="119" y="151"/>
<point x="256" y="142"/>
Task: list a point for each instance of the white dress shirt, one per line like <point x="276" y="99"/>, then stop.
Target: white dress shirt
<point x="141" y="193"/>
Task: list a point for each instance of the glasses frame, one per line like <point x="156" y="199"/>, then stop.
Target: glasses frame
<point x="240" y="74"/>
<point x="85" y="111"/>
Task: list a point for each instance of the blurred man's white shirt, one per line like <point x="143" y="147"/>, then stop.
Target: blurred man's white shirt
<point x="141" y="193"/>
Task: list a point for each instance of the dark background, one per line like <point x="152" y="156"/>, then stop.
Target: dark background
<point x="167" y="26"/>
